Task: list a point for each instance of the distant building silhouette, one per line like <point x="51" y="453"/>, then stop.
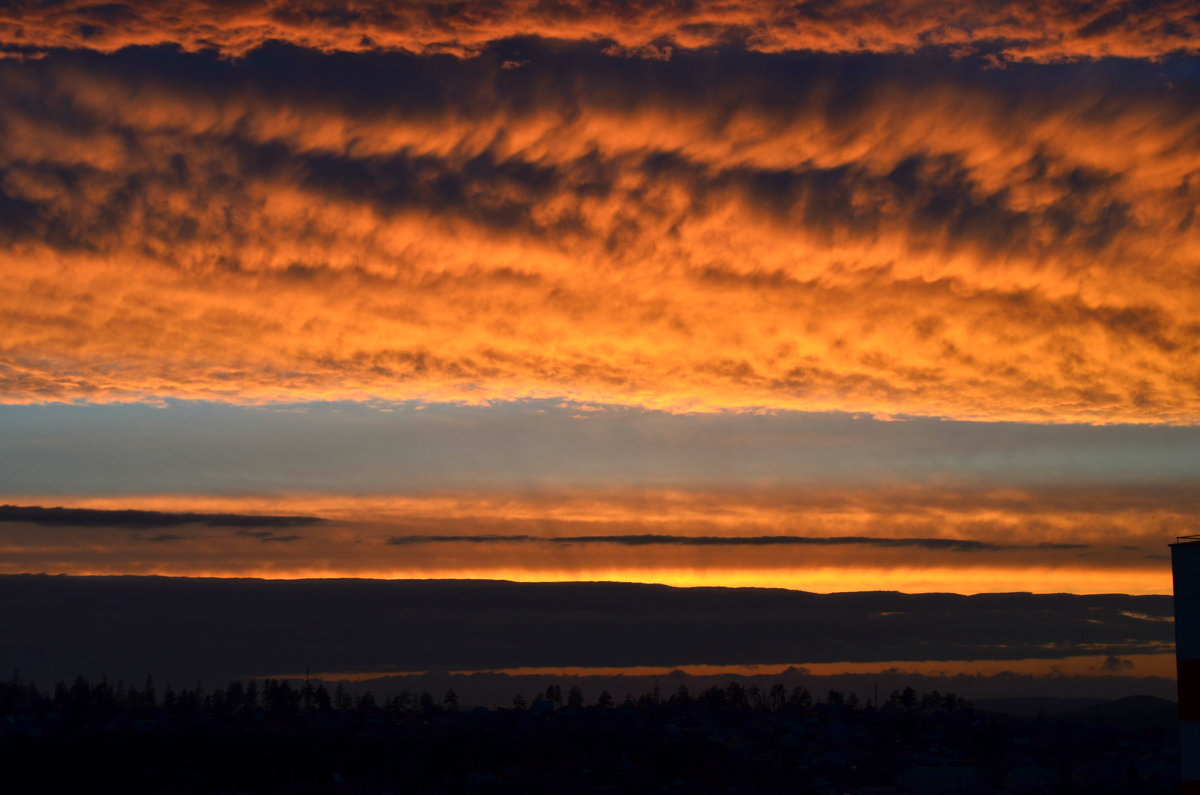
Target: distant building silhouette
<point x="1185" y="565"/>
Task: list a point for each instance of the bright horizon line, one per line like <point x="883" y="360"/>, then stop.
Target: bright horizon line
<point x="518" y="579"/>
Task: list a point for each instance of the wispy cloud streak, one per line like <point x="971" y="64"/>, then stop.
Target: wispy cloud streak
<point x="92" y="517"/>
<point x="648" y="539"/>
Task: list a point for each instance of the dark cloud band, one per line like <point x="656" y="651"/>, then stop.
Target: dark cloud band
<point x="131" y="519"/>
<point x="651" y="539"/>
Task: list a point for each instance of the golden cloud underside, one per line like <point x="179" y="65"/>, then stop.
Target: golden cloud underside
<point x="930" y="249"/>
<point x="1050" y="30"/>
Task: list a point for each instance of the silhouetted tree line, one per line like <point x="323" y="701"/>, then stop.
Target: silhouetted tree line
<point x="734" y="696"/>
<point x="284" y="736"/>
<point x="281" y="699"/>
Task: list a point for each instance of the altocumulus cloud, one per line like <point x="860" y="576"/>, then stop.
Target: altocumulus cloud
<point x="1010" y="29"/>
<point x="730" y="228"/>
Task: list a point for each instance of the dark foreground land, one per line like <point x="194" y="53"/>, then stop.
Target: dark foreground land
<point x="272" y="737"/>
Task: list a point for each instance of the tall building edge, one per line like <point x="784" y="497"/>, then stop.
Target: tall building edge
<point x="1185" y="571"/>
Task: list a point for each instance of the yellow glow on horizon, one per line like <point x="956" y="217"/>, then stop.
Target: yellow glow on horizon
<point x="828" y="580"/>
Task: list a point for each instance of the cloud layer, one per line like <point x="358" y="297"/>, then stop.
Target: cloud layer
<point x="1010" y="29"/>
<point x="965" y="540"/>
<point x="133" y="519"/>
<point x="726" y="229"/>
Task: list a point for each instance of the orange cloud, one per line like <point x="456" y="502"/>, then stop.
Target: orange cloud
<point x="1081" y="540"/>
<point x="933" y="247"/>
<point x="1015" y="29"/>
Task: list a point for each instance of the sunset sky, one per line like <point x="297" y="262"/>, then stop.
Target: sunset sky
<point x="829" y="296"/>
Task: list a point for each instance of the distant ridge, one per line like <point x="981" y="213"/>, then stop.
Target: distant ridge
<point x="221" y="629"/>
